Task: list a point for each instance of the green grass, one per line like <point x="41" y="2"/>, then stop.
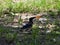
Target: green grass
<point x="35" y="6"/>
<point x="29" y="6"/>
<point x="36" y="38"/>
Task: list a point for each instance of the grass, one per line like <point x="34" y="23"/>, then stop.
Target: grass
<point x="35" y="38"/>
<point x="31" y="6"/>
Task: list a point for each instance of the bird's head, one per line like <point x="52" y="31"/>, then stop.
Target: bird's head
<point x="37" y="17"/>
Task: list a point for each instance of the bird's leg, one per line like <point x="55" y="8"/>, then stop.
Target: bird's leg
<point x="29" y="30"/>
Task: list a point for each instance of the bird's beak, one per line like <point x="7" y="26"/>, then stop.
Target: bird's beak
<point x="37" y="17"/>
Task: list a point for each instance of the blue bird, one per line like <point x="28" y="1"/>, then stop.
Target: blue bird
<point x="29" y="25"/>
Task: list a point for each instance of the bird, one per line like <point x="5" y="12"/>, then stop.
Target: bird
<point x="29" y="24"/>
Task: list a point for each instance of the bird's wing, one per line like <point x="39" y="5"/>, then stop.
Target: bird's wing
<point x="28" y="25"/>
